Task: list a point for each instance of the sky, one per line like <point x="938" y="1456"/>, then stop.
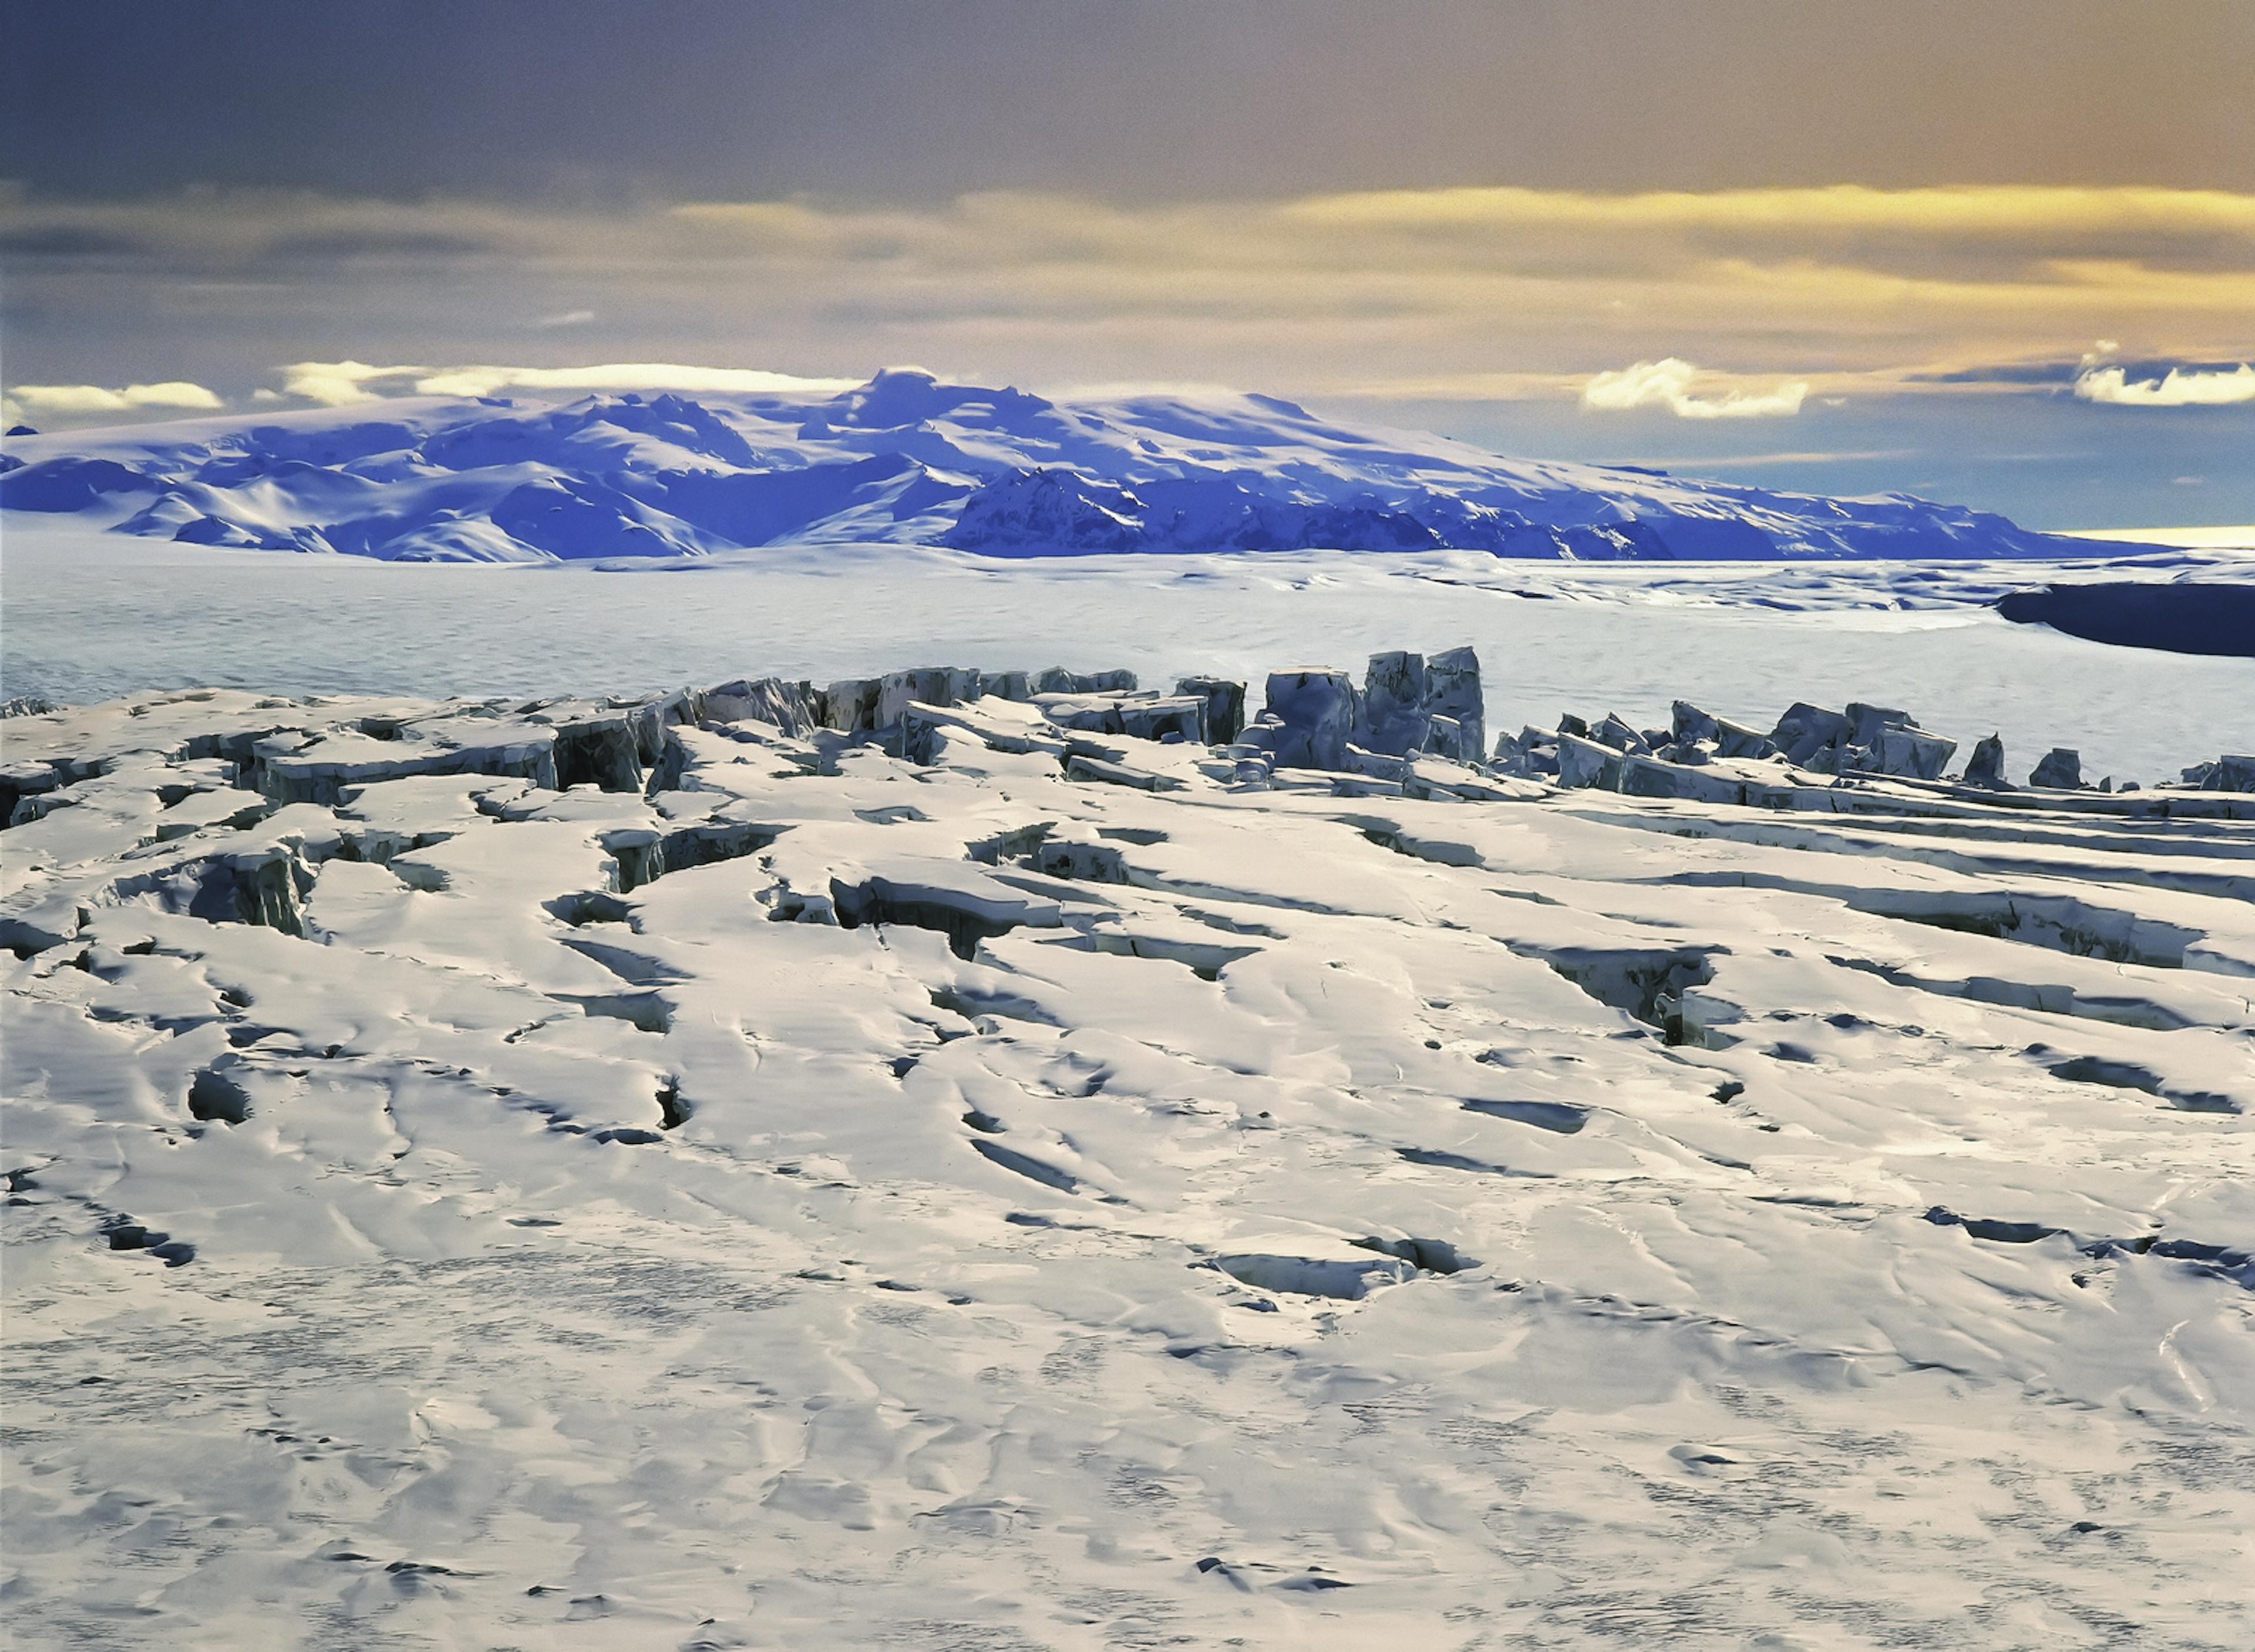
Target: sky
<point x="1997" y="251"/>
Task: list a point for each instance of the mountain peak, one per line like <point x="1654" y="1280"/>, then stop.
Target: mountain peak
<point x="900" y="396"/>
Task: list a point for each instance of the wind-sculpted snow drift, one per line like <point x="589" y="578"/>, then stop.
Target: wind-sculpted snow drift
<point x="908" y="459"/>
<point x="961" y="1160"/>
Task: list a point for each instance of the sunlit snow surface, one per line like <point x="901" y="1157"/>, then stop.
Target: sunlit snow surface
<point x="1313" y="1239"/>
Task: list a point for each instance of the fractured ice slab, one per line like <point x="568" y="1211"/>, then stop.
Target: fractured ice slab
<point x="1391" y="718"/>
<point x="1313" y="715"/>
<point x="1224" y="705"/>
<point x="2060" y="768"/>
<point x="1986" y="766"/>
<point x="1912" y="752"/>
<point x="1452" y="690"/>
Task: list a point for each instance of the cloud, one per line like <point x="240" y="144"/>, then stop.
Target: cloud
<point x="1667" y="384"/>
<point x="2049" y="373"/>
<point x="210" y="228"/>
<point x="76" y="400"/>
<point x="2179" y="387"/>
<point x="1457" y="294"/>
<point x="338" y="384"/>
<point x="341" y="383"/>
<point x="1988" y="211"/>
<point x="619" y="376"/>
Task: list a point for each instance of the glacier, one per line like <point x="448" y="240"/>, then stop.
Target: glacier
<point x="910" y="460"/>
<point x="706" y="1171"/>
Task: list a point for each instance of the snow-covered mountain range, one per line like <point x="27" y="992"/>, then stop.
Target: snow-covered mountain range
<point x="908" y="458"/>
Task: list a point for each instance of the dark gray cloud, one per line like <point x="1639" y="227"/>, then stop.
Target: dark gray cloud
<point x="1132" y="99"/>
<point x="2060" y="373"/>
<point x="71" y="243"/>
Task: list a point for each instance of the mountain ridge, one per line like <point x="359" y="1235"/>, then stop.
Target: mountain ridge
<point x="913" y="459"/>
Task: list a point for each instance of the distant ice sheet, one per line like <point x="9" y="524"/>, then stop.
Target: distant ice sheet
<point x="91" y="614"/>
<point x="2205" y="538"/>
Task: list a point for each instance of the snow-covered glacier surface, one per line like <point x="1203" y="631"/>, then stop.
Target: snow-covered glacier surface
<point x="909" y="459"/>
<point x="1048" y="1194"/>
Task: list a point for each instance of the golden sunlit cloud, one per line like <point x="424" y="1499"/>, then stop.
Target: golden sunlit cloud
<point x="1668" y="383"/>
<point x="80" y="401"/>
<point x="614" y="375"/>
<point x="2179" y="387"/>
<point x="1983" y="210"/>
<point x="338" y="384"/>
<point x="1509" y="292"/>
<point x="93" y="398"/>
<point x="342" y="384"/>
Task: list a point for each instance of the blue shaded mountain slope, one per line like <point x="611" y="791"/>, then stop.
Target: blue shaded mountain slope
<point x="908" y="458"/>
